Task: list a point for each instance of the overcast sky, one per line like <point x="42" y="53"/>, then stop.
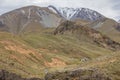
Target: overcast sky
<point x="109" y="8"/>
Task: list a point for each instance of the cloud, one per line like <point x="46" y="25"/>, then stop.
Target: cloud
<point x="109" y="8"/>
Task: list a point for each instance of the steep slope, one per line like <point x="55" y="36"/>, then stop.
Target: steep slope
<point x="107" y="27"/>
<point x="77" y="13"/>
<point x="34" y="54"/>
<point x="110" y="64"/>
<point x="17" y="20"/>
<point x="89" y="33"/>
<point x="119" y="21"/>
<point x="118" y="26"/>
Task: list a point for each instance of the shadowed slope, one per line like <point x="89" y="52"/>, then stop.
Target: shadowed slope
<point x="68" y="27"/>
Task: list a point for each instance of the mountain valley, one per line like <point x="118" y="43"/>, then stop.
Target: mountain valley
<point x="50" y="43"/>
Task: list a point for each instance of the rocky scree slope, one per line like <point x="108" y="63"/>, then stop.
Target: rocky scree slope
<point x="79" y="74"/>
<point x="108" y="27"/>
<point x="32" y="17"/>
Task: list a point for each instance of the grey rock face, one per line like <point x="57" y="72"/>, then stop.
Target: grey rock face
<point x="77" y="13"/>
<point x="77" y="75"/>
<point x="80" y="74"/>
<point x="4" y="75"/>
<point x="17" y="20"/>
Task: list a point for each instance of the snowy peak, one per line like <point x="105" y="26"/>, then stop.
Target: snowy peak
<point x="77" y="13"/>
<point x="68" y="13"/>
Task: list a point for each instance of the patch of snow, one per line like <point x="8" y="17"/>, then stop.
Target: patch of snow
<point x="73" y="13"/>
<point x="52" y="9"/>
<point x="29" y="13"/>
<point x="99" y="25"/>
<point x="68" y="12"/>
<point x="95" y="14"/>
<point x="38" y="14"/>
<point x="24" y="25"/>
<point x="23" y="11"/>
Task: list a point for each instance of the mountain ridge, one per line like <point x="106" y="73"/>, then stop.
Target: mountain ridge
<point x="77" y="13"/>
<point x="15" y="21"/>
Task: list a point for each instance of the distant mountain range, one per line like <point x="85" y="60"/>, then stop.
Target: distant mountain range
<point x="25" y="18"/>
<point x="77" y="13"/>
<point x="33" y="18"/>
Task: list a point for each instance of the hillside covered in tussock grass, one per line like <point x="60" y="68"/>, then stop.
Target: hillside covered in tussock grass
<point x="33" y="54"/>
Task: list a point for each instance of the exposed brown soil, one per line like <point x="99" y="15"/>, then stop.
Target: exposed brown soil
<point x="8" y="45"/>
<point x="22" y="49"/>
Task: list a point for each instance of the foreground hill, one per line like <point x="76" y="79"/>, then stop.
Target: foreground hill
<point x="89" y="74"/>
<point x="34" y="54"/>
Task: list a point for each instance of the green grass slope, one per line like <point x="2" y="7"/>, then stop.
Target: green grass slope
<point x="108" y="27"/>
<point x="31" y="54"/>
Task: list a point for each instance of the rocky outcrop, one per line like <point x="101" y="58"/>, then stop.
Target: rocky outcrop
<point x="91" y="74"/>
<point x="5" y="75"/>
<point x="95" y="36"/>
<point x="118" y="26"/>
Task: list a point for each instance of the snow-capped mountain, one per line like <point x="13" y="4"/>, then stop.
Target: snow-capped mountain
<point x="77" y="13"/>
